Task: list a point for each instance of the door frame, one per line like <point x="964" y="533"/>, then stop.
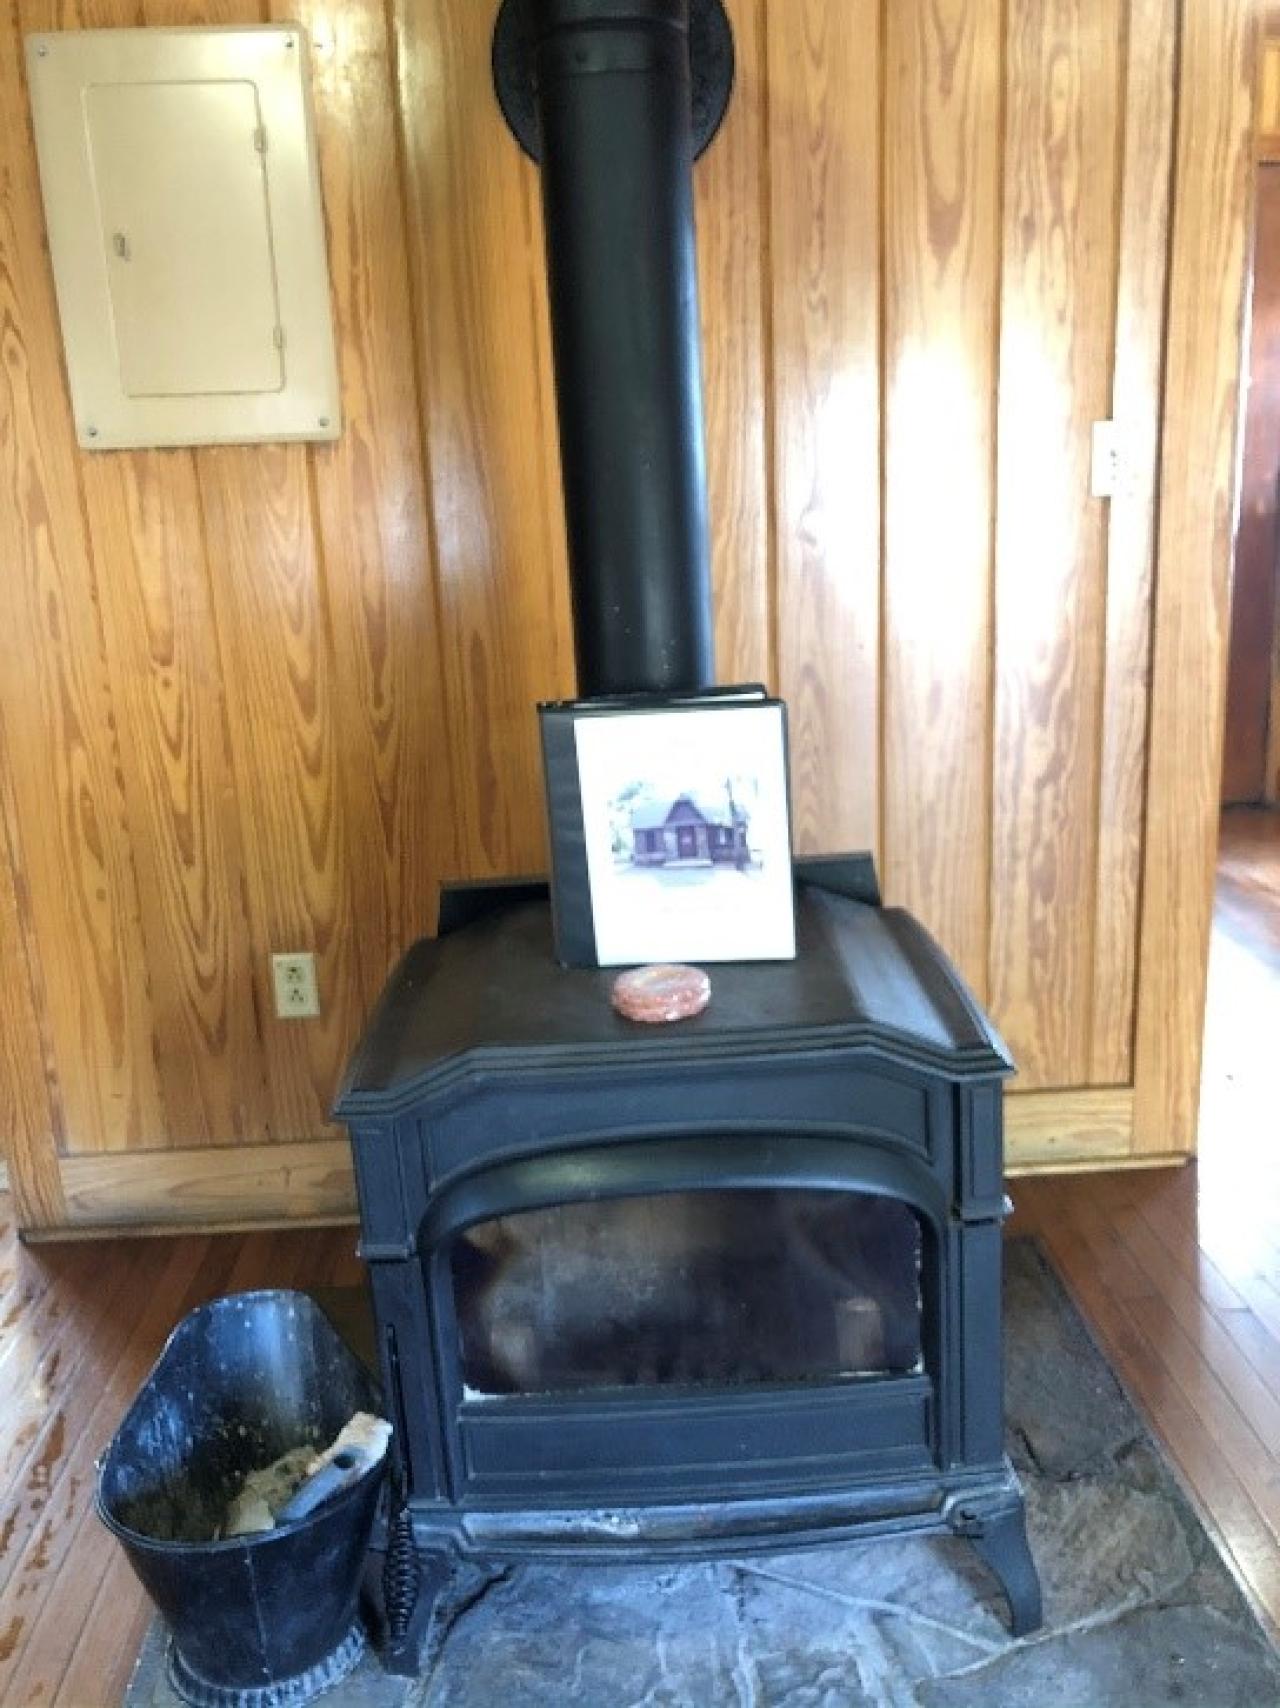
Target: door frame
<point x="1198" y="498"/>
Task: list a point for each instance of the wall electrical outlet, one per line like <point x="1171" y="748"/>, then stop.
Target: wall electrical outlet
<point x="297" y="994"/>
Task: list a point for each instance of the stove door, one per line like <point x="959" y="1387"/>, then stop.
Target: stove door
<point x="687" y="1310"/>
<point x="707" y="1288"/>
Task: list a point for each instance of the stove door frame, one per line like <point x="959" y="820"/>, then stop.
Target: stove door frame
<point x="673" y="1440"/>
<point x="941" y="1141"/>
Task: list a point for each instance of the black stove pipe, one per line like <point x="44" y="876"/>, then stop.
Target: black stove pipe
<point x="617" y="192"/>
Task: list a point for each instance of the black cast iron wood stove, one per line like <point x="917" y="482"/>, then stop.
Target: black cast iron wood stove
<point x="645" y="1292"/>
<point x="494" y="1083"/>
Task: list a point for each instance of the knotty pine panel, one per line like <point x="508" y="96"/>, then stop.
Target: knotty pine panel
<point x="732" y="284"/>
<point x="272" y="633"/>
<point x="474" y="226"/>
<point x="371" y="504"/>
<point x="1268" y="120"/>
<point x="29" y="1109"/>
<point x="144" y="516"/>
<point x="61" y="736"/>
<point x="285" y="711"/>
<point x="823" y="68"/>
<point x="943" y="114"/>
<point x="144" y="520"/>
<point x="1142" y="269"/>
<point x="1057" y="309"/>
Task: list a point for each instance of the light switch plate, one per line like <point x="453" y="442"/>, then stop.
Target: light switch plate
<point x="182" y="196"/>
<point x="1104" y="465"/>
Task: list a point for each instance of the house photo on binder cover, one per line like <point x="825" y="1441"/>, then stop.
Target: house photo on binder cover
<point x="670" y="829"/>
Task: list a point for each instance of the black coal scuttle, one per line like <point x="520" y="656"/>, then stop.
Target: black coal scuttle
<point x="727" y="1285"/>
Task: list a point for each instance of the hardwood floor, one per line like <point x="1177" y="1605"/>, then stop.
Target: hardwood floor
<point x="80" y="1326"/>
<point x="1178" y="1270"/>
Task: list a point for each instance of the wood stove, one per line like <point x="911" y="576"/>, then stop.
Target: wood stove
<point x="728" y="1285"/>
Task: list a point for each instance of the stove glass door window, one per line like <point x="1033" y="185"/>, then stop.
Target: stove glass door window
<point x="714" y="1288"/>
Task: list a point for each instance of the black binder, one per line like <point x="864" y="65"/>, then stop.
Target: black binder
<point x="571" y="903"/>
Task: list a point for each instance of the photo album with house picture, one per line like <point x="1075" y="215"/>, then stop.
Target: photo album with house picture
<point x="670" y="829"/>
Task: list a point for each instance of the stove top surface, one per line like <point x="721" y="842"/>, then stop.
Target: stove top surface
<point x="493" y="988"/>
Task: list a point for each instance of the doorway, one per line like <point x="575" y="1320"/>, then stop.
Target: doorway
<point x="1243" y="999"/>
<point x="1251" y="743"/>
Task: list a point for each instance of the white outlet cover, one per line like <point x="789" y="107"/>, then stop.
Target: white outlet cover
<point x="297" y="994"/>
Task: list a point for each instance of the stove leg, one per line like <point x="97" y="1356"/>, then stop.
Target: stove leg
<point x="999" y="1537"/>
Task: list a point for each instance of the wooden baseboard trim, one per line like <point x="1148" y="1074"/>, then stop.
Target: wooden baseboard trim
<point x="86" y="1232"/>
<point x="229" y="1188"/>
<point x="226" y="1188"/>
<point x="1053" y="1130"/>
<point x="1098" y="1164"/>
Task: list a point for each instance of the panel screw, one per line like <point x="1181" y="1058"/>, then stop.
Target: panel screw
<point x="324" y="421"/>
<point x="91" y="432"/>
<point x="288" y="43"/>
<point x="42" y="50"/>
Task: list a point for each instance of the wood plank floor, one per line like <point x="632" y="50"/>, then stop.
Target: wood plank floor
<point x="1178" y="1270"/>
<point x="80" y="1326"/>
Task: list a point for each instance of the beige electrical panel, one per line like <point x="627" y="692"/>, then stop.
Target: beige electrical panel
<point x="183" y="204"/>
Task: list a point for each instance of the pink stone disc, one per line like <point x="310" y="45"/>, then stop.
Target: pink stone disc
<point x="661" y="993"/>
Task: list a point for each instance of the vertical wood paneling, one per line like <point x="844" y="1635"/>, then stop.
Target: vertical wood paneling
<point x="60" y="730"/>
<point x="142" y="512"/>
<point x="1208" y="270"/>
<point x="178" y="14"/>
<point x="274" y="647"/>
<point x="1268" y="124"/>
<point x="824" y="156"/>
<point x="731" y="286"/>
<point x="371" y="505"/>
<point x="29" y="1114"/>
<point x="1141" y="277"/>
<point x="942" y="179"/>
<point x="490" y="426"/>
<point x="1056" y="315"/>
<point x="144" y="523"/>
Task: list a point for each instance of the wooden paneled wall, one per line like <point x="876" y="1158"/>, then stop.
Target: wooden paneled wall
<point x="265" y="698"/>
